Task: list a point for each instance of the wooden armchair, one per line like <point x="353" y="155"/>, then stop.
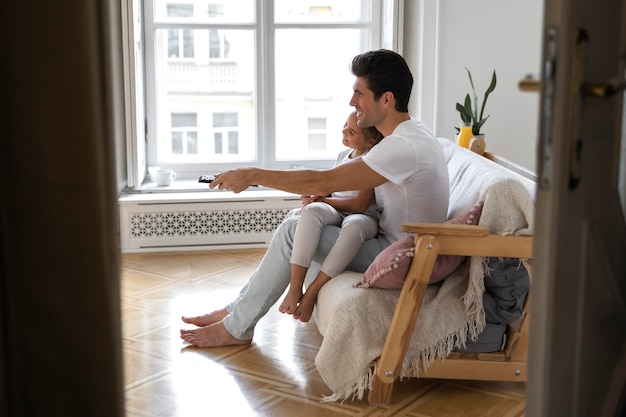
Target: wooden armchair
<point x="445" y="239"/>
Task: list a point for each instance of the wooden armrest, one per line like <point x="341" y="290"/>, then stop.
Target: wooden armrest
<point x="445" y="229"/>
<point x="471" y="240"/>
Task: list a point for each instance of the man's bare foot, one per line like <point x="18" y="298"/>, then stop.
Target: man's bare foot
<point x="304" y="312"/>
<point x="213" y="335"/>
<point x="290" y="302"/>
<point x="206" y="319"/>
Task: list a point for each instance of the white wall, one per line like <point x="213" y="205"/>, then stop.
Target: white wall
<point x="443" y="36"/>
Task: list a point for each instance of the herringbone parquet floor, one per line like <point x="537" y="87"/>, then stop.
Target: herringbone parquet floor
<point x="275" y="376"/>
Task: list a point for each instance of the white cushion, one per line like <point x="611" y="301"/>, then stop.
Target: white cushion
<point x="336" y="291"/>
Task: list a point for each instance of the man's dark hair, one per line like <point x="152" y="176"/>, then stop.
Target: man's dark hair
<point x="385" y="71"/>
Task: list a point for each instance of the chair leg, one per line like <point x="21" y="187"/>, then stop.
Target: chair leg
<point x="380" y="393"/>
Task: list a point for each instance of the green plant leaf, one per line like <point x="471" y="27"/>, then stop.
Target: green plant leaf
<point x="492" y="87"/>
<point x="474" y="95"/>
<point x="465" y="111"/>
<point x="476" y="126"/>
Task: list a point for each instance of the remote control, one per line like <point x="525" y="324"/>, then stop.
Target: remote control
<point x="206" y="178"/>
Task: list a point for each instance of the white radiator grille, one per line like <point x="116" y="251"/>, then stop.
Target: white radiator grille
<point x="212" y="220"/>
<point x="203" y="223"/>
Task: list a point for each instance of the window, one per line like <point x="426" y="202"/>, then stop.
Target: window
<point x="184" y="137"/>
<point x="317" y="133"/>
<point x="251" y="82"/>
<point x="180" y="42"/>
<point x="225" y="127"/>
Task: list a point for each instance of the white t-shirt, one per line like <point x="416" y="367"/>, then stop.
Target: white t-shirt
<point x="417" y="189"/>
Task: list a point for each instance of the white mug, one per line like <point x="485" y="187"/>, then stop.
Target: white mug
<point x="165" y="177"/>
<point x="152" y="172"/>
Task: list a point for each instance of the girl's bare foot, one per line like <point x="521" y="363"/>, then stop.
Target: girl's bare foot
<point x="304" y="312"/>
<point x="206" y="319"/>
<point x="214" y="335"/>
<point x="291" y="300"/>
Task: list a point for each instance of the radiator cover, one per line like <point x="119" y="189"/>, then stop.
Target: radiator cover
<point x="186" y="221"/>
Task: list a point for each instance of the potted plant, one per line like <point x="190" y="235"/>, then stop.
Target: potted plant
<point x="469" y="111"/>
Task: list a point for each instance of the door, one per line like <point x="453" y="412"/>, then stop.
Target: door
<point x="577" y="352"/>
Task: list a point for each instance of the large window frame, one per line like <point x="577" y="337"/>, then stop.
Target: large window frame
<point x="384" y="29"/>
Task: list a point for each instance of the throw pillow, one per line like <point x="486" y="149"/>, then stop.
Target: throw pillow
<point x="390" y="267"/>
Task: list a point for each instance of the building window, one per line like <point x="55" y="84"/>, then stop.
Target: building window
<point x="180" y="42"/>
<point x="252" y="82"/>
<point x="184" y="134"/>
<point x="225" y="125"/>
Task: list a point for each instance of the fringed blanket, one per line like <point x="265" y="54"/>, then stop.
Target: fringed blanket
<point x="452" y="311"/>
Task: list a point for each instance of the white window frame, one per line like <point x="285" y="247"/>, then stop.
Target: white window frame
<point x="387" y="33"/>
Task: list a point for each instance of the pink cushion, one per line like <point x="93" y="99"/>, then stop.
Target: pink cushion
<point x="390" y="267"/>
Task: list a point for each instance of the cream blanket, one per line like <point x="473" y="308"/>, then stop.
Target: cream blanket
<point x="451" y="311"/>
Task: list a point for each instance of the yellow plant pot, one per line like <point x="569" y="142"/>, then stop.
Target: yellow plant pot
<point x="465" y="136"/>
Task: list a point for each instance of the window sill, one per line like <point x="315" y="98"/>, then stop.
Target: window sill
<point x="188" y="191"/>
<point x="178" y="186"/>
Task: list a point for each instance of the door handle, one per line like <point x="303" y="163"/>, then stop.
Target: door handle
<point x="529" y="85"/>
<point x="604" y="90"/>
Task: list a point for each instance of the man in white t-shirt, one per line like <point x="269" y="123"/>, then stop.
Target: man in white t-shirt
<point x="407" y="169"/>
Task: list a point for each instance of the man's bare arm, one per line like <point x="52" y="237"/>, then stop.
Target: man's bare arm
<point x="354" y="175"/>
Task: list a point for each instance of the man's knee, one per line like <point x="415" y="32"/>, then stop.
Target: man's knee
<point x="288" y="223"/>
<point x="286" y="230"/>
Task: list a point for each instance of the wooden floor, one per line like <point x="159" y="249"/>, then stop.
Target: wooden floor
<point x="275" y="376"/>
